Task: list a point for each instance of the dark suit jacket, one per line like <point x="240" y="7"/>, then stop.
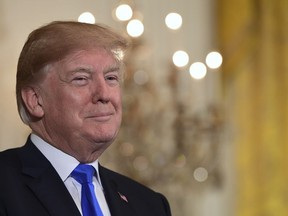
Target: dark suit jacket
<point x="29" y="185"/>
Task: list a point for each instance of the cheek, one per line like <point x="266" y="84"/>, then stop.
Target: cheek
<point x="119" y="104"/>
<point x="69" y="103"/>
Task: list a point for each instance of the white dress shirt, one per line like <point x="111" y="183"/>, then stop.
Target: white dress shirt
<point x="64" y="164"/>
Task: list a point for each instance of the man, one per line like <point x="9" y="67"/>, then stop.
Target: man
<point x="69" y="93"/>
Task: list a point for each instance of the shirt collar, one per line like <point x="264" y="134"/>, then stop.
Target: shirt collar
<point x="63" y="163"/>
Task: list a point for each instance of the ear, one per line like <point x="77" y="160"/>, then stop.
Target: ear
<point x="33" y="101"/>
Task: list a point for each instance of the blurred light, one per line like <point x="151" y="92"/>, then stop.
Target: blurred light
<point x="200" y="174"/>
<point x="173" y="21"/>
<point x="198" y="70"/>
<point x="214" y="60"/>
<point x="126" y="149"/>
<point x="180" y="161"/>
<point x="141" y="77"/>
<point x="135" y="28"/>
<point x="180" y="58"/>
<point x="140" y="163"/>
<point x="86" y="17"/>
<point x="124" y="12"/>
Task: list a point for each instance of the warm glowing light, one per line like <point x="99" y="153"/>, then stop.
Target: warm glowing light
<point x="141" y="77"/>
<point x="180" y="58"/>
<point x="173" y="21"/>
<point x="180" y="161"/>
<point x="124" y="12"/>
<point x="135" y="28"/>
<point x="200" y="174"/>
<point x="126" y="149"/>
<point x="86" y="17"/>
<point x="214" y="60"/>
<point x="198" y="70"/>
<point x="140" y="163"/>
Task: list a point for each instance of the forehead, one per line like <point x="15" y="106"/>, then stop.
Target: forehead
<point x="92" y="61"/>
<point x="95" y="57"/>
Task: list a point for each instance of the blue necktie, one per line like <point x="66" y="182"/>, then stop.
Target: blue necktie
<point x="83" y="174"/>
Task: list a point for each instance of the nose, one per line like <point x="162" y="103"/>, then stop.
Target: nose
<point x="100" y="91"/>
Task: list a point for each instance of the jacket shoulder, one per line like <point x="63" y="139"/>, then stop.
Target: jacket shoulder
<point x="10" y="157"/>
<point x="123" y="180"/>
<point x="143" y="198"/>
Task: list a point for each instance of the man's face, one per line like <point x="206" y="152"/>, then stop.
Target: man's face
<point x="81" y="99"/>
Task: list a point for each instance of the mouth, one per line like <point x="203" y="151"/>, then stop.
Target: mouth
<point x="101" y="117"/>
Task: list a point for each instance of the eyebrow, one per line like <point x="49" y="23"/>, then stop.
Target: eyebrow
<point x="89" y="70"/>
<point x="115" y="67"/>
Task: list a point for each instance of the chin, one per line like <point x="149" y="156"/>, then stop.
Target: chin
<point x="107" y="138"/>
<point x="100" y="133"/>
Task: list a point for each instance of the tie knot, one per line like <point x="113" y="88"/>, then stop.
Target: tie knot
<point x="83" y="173"/>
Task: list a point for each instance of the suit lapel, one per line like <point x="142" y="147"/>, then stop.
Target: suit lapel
<point x="118" y="203"/>
<point x="45" y="183"/>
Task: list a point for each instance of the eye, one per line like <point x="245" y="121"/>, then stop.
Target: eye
<point x="80" y="80"/>
<point x="112" y="78"/>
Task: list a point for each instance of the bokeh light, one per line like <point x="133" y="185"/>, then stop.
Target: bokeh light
<point x="214" y="60"/>
<point x="200" y="174"/>
<point x="135" y="28"/>
<point x="86" y="17"/>
<point x="141" y="77"/>
<point x="127" y="149"/>
<point x="123" y="12"/>
<point x="180" y="161"/>
<point x="140" y="163"/>
<point x="173" y="21"/>
<point x="180" y="58"/>
<point x="198" y="70"/>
